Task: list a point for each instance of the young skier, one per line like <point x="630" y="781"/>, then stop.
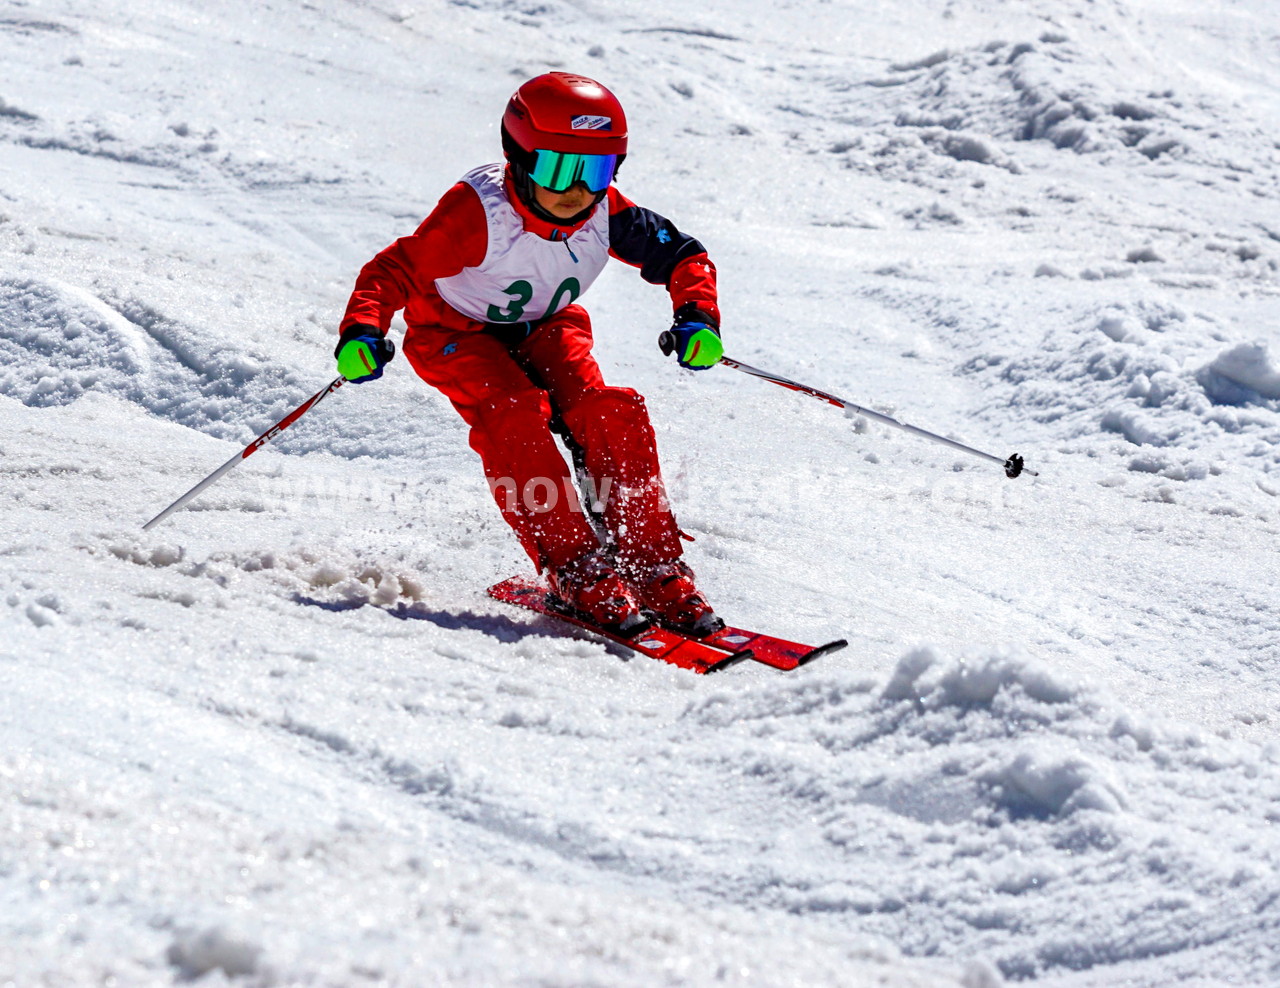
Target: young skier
<point x="488" y="285"/>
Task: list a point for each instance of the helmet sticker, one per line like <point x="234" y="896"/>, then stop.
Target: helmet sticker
<point x="587" y="121"/>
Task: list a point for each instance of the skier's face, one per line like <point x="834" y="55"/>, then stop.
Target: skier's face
<point x="566" y="204"/>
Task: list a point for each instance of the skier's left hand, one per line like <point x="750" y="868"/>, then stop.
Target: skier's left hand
<point x="694" y="338"/>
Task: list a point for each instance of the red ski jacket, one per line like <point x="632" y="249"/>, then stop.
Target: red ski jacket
<point x="455" y="236"/>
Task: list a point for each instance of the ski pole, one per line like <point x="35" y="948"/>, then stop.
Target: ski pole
<point x="1014" y="465"/>
<point x="249" y="450"/>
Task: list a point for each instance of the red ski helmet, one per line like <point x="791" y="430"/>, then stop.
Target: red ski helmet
<point x="560" y="129"/>
<point x="560" y="111"/>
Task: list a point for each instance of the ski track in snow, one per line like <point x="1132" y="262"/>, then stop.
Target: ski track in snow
<point x="286" y="739"/>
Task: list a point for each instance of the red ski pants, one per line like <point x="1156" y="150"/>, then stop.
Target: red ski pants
<point x="506" y="390"/>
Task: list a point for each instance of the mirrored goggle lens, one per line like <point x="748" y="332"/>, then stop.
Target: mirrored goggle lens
<point x="558" y="170"/>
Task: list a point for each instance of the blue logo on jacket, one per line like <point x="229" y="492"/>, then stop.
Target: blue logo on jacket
<point x="449" y="348"/>
<point x="664" y="237"/>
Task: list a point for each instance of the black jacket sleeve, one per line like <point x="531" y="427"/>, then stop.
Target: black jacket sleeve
<point x="650" y="242"/>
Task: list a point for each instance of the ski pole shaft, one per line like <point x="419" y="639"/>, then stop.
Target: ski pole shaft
<point x="1013" y="465"/>
<point x="248" y="451"/>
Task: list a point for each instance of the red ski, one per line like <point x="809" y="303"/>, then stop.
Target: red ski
<point x="715" y="652"/>
<point x="776" y="652"/>
<point x="657" y="643"/>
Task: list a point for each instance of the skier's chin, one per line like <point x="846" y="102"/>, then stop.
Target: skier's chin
<point x="567" y="211"/>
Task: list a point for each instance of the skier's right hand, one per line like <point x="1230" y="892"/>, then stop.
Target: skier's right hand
<point x="362" y="352"/>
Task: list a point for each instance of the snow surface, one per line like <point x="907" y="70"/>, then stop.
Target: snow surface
<point x="285" y="738"/>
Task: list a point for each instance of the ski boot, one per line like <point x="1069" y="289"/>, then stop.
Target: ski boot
<point x="668" y="592"/>
<point x="590" y="588"/>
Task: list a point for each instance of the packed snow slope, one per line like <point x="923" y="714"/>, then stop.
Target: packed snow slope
<point x="285" y="738"/>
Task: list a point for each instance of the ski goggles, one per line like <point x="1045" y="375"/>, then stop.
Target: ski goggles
<point x="559" y="171"/>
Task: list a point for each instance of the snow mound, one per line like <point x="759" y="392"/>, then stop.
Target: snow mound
<point x="61" y="341"/>
<point x="923" y="676"/>
<point x="1246" y="373"/>
<point x="1023" y="792"/>
<point x="1137" y="370"/>
<point x="331" y="579"/>
<point x="1050" y="89"/>
<point x="1044" y="782"/>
